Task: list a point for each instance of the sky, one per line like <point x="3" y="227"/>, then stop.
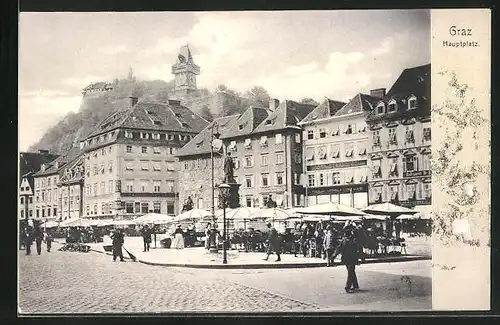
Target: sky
<point x="293" y="54"/>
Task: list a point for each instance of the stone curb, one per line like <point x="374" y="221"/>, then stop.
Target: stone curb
<point x="275" y="265"/>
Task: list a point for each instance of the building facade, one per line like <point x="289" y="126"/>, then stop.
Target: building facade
<point x="335" y="150"/>
<point x="400" y="142"/>
<point x="195" y="176"/>
<point x="71" y="187"/>
<point x="29" y="164"/>
<point x="46" y="190"/>
<point x="130" y="163"/>
<point x="185" y="72"/>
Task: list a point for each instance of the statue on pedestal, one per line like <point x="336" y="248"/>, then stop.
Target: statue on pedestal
<point x="228" y="169"/>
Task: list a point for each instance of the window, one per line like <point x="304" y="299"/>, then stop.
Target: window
<point x="377" y="170"/>
<point x="426" y="162"/>
<point x="48" y="181"/>
<point x="103" y="208"/>
<point x="311" y="180"/>
<point x="137" y="207"/>
<point x="249" y="201"/>
<point x="265" y="180"/>
<point x="349" y="148"/>
<point x="144" y="135"/>
<point x="170" y="187"/>
<point x="349" y="177"/>
<point x="321" y="179"/>
<point x="172" y="151"/>
<point x="144" y="186"/>
<point x="22" y="200"/>
<point x="156" y="136"/>
<point x="412" y="102"/>
<point x="248" y="161"/>
<point x="144" y="207"/>
<point x="248" y="143"/>
<point x="309" y="154"/>
<point x="170" y="166"/>
<point x="279" y="138"/>
<point x="335" y="150"/>
<point x="232" y="145"/>
<point x="31" y="212"/>
<point x="297" y="178"/>
<point x="22" y="213"/>
<point x="361" y="149"/>
<point x="264" y="159"/>
<point x="427" y="134"/>
<point x="110" y="187"/>
<point x="101" y="169"/>
<point x="297" y="138"/>
<point x="263" y="140"/>
<point x="170" y="136"/>
<point x="393" y="167"/>
<point x="48" y="212"/>
<point x="144" y="165"/>
<point x="157" y="186"/>
<point x="427" y="190"/>
<point x="380" y="108"/>
<point x="38" y="213"/>
<point x="363" y="179"/>
<point x="310" y="134"/>
<point x="376" y="138"/>
<point x="130" y="187"/>
<point x="43" y="196"/>
<point x="95" y="208"/>
<point x="349" y="129"/>
<point x="129" y="165"/>
<point x="186" y="165"/>
<point x="298" y="158"/>
<point x="392" y="136"/>
<point x="411" y="193"/>
<point x="156" y="150"/>
<point x="409" y="136"/>
<point x="128" y="135"/>
<point x="31" y="199"/>
<point x="279" y="157"/>
<point x="129" y="149"/>
<point x="95" y="170"/>
<point x="144" y="149"/>
<point x="129" y="207"/>
<point x="322" y="152"/>
<point x="103" y="187"/>
<point x="249" y="181"/>
<point x="392" y="107"/>
<point x="335" y="178"/>
<point x="157" y="207"/>
<point x="322" y="133"/>
<point x="156" y="166"/>
<point x="170" y="208"/>
<point x="279" y="178"/>
<point x="103" y="152"/>
<point x="393" y="192"/>
<point x="110" y="167"/>
<point x="410" y="163"/>
<point x="43" y="213"/>
<point x="96" y="193"/>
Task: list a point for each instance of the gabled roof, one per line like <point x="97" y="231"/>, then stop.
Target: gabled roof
<point x="246" y="123"/>
<point x="30" y="162"/>
<point x="326" y="109"/>
<point x="201" y="143"/>
<point x="412" y="82"/>
<point x="360" y="103"/>
<point x="54" y="166"/>
<point x="77" y="161"/>
<point x="153" y="116"/>
<point x="288" y="113"/>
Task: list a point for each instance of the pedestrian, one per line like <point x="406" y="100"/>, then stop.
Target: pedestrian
<point x="273" y="243"/>
<point x="118" y="240"/>
<point x="38" y="235"/>
<point x="329" y="245"/>
<point x="48" y="241"/>
<point x="28" y="240"/>
<point x="178" y="238"/>
<point x="207" y="236"/>
<point x="349" y="250"/>
<point x="397" y="227"/>
<point x="146" y="237"/>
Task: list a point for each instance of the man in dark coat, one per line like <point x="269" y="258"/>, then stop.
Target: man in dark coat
<point x="28" y="240"/>
<point x="118" y="240"/>
<point x="38" y="235"/>
<point x="329" y="244"/>
<point x="349" y="250"/>
<point x="146" y="237"/>
<point x="397" y="227"/>
<point x="274" y="244"/>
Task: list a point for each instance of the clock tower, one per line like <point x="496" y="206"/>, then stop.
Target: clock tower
<point x="185" y="71"/>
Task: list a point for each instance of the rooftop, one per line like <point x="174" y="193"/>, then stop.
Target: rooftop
<point x="326" y="109"/>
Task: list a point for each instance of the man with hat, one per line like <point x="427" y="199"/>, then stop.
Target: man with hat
<point x="349" y="250"/>
<point x="329" y="245"/>
<point x="273" y="243"/>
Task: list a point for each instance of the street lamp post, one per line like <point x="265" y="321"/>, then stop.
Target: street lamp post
<point x="214" y="136"/>
<point x="224" y="190"/>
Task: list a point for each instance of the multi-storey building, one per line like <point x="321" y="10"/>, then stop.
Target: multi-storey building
<point x="400" y="142"/>
<point x="130" y="164"/>
<point x="29" y="164"/>
<point x="71" y="185"/>
<point x="335" y="151"/>
<point x="46" y="190"/>
<point x="266" y="145"/>
<point x="196" y="165"/>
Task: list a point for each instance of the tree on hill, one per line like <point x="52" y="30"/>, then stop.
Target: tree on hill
<point x="206" y="114"/>
<point x="258" y="96"/>
<point x="309" y="100"/>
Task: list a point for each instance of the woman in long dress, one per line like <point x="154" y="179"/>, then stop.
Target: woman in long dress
<point x="178" y="238"/>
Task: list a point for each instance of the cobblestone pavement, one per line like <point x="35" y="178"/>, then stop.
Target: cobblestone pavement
<point x="66" y="282"/>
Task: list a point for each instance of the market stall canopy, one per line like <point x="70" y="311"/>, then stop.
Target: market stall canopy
<point x="249" y="213"/>
<point x="331" y="208"/>
<point x="123" y="222"/>
<point x="153" y="218"/>
<point x="69" y="222"/>
<point x="51" y="224"/>
<point x="417" y="216"/>
<point x="348" y="218"/>
<point x="194" y="214"/>
<point x="388" y="209"/>
<point x="374" y="217"/>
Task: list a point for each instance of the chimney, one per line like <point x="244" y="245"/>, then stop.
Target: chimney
<point x="379" y="92"/>
<point x="174" y="102"/>
<point x="43" y="151"/>
<point x="132" y="101"/>
<point x="273" y="103"/>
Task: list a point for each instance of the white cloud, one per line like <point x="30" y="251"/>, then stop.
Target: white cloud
<point x="386" y="47"/>
<point x="83" y="81"/>
<point x="303" y="68"/>
<point x="113" y="49"/>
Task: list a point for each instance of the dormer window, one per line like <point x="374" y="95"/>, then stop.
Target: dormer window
<point x="248" y="143"/>
<point x="322" y="133"/>
<point x="348" y="130"/>
<point x="380" y="108"/>
<point x="310" y="135"/>
<point x="336" y="132"/>
<point x="144" y="135"/>
<point x="269" y="122"/>
<point x="240" y="126"/>
<point x="412" y="102"/>
<point x="232" y="145"/>
<point x="392" y="107"/>
<point x="263" y="140"/>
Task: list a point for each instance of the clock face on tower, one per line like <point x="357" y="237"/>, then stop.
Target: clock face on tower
<point x="181" y="79"/>
<point x="190" y="80"/>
